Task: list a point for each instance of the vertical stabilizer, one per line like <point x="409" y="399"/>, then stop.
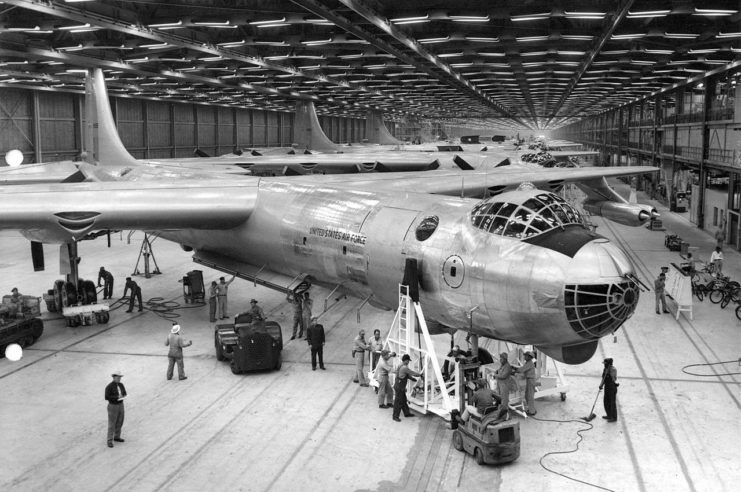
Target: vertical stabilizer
<point x="101" y="144"/>
<point x="307" y="132"/>
<point x="376" y="132"/>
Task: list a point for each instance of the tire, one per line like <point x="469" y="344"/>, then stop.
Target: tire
<point x="478" y="456"/>
<point x="233" y="366"/>
<point x="69" y="294"/>
<point x="37" y="328"/>
<point x="278" y="364"/>
<point x="726" y="300"/>
<point x="89" y="292"/>
<point x="716" y="296"/>
<point x="219" y="349"/>
<point x="457" y="440"/>
<point x="58" y="304"/>
<point x="738" y="311"/>
<point x="699" y="294"/>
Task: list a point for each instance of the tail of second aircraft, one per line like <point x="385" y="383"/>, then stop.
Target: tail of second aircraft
<point x="307" y="132"/>
<point x="101" y="144"/>
<point x="376" y="132"/>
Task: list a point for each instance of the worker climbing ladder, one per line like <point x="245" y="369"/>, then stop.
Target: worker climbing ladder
<point x="409" y="335"/>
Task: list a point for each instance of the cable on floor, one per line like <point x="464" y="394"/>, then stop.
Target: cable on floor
<point x="738" y="362"/>
<point x="581" y="438"/>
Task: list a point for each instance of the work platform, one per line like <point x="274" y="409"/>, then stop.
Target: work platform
<point x="298" y="429"/>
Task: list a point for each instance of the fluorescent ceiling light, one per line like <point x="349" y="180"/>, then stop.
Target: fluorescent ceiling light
<point x="729" y="34"/>
<point x="71" y="28"/>
<point x="316" y="42"/>
<point x="627" y="36"/>
<point x="714" y="12"/>
<point x="231" y="44"/>
<point x="648" y="13"/>
<point x="433" y="40"/>
<point x="264" y="22"/>
<point x="153" y="46"/>
<point x="476" y="39"/>
<point x="529" y="17"/>
<point x="469" y="18"/>
<point x="411" y="20"/>
<point x="680" y="35"/>
<point x="166" y="24"/>
<point x="584" y="15"/>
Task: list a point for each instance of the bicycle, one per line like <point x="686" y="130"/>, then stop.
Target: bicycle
<point x="730" y="292"/>
<point x="738" y="311"/>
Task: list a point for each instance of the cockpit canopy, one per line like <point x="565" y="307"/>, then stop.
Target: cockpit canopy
<point x="533" y="215"/>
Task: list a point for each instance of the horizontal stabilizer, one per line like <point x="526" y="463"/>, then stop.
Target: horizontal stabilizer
<point x="461" y="163"/>
<point x="200" y="153"/>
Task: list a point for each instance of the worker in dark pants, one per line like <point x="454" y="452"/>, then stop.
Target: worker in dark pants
<point x="136" y="293"/>
<point x="400" y="388"/>
<point x="115" y="394"/>
<point x="610" y="384"/>
<point x="659" y="291"/>
<point x="213" y="294"/>
<point x="315" y="337"/>
<point x="298" y="315"/>
<point x="107" y="278"/>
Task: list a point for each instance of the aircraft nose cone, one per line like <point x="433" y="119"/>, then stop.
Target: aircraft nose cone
<point x="598" y="294"/>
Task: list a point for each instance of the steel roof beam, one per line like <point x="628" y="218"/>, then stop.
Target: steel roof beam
<point x="587" y="63"/>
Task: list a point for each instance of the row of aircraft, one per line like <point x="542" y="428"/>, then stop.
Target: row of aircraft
<point x="498" y="252"/>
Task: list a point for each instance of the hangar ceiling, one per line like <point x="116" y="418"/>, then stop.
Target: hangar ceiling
<point x="519" y="64"/>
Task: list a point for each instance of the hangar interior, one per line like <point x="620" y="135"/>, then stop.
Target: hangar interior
<point x="640" y="82"/>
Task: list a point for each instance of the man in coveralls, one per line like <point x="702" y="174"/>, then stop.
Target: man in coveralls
<point x="107" y="278"/>
<point x="610" y="384"/>
<point x="400" y="388"/>
<point x="136" y="293"/>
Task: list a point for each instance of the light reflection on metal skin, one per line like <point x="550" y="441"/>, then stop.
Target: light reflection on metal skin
<point x="561" y="290"/>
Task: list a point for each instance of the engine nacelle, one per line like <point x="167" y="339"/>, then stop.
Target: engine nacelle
<point x="630" y="214"/>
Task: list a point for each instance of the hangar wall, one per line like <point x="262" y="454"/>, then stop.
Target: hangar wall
<point x="47" y="126"/>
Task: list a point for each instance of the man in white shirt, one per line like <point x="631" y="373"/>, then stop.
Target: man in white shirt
<point x="717" y="260"/>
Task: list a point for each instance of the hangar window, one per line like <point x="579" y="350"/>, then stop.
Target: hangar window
<point x="426" y="228"/>
<point x="535" y="216"/>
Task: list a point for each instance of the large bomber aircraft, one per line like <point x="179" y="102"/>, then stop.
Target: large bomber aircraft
<point x="519" y="265"/>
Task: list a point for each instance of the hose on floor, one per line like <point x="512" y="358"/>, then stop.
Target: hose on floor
<point x="581" y="438"/>
<point x="738" y="362"/>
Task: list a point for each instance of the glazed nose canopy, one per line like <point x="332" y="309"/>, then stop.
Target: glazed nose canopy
<point x="600" y="297"/>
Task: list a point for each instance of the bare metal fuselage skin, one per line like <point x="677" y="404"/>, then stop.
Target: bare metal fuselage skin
<point x="361" y="239"/>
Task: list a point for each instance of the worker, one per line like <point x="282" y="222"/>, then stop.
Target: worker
<point x="298" y="314"/>
<point x="716" y="258"/>
<point x="610" y="384"/>
<point x="315" y="337"/>
<point x="213" y="300"/>
<point x="504" y="378"/>
<point x="221" y="292"/>
<point x="136" y="293"/>
<point x="403" y="375"/>
<point x="720" y="236"/>
<point x="358" y="353"/>
<point x="659" y="286"/>
<point x="115" y="394"/>
<point x="482" y="400"/>
<point x="306" y="306"/>
<point x="15" y="296"/>
<point x="107" y="278"/>
<point x="376" y="345"/>
<point x="691" y="265"/>
<point x="383" y="368"/>
<point x="175" y="354"/>
<point x="256" y="311"/>
<point x="528" y="370"/>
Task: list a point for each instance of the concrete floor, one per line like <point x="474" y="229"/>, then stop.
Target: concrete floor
<point x="296" y="429"/>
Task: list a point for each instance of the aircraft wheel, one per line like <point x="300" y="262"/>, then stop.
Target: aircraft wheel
<point x="89" y="292"/>
<point x="278" y="364"/>
<point x="563" y="396"/>
<point x="478" y="456"/>
<point x="457" y="441"/>
<point x="58" y="304"/>
<point x="233" y="365"/>
<point x="69" y="294"/>
<point x="37" y="328"/>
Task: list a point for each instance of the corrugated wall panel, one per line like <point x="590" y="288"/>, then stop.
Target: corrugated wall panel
<point x="16" y="127"/>
<point x="244" y="130"/>
<point x="159" y="132"/>
<point x="272" y="139"/>
<point x="130" y="120"/>
<point x="207" y="129"/>
<point x="184" y="129"/>
<point x="258" y="128"/>
<point x="226" y="130"/>
<point x="287" y="129"/>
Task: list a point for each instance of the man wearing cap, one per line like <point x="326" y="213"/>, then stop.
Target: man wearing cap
<point x="504" y="375"/>
<point x="115" y="394"/>
<point x="528" y="370"/>
<point x="107" y="278"/>
<point x="482" y="399"/>
<point x="610" y="384"/>
<point x="384" y="366"/>
<point x="221" y="291"/>
<point x="376" y="345"/>
<point x="176" y="344"/>
<point x="400" y="388"/>
<point x="315" y="337"/>
<point x="136" y="293"/>
<point x="659" y="285"/>
<point x="358" y="353"/>
<point x="256" y="311"/>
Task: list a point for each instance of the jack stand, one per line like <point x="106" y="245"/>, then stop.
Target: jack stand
<point x="146" y="251"/>
<point x="438" y="396"/>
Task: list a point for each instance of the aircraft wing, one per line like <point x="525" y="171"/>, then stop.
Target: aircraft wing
<point x="54" y="212"/>
<point x="477" y="183"/>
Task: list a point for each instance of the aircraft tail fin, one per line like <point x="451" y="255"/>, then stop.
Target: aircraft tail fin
<point x="461" y="163"/>
<point x="102" y="146"/>
<point x="376" y="132"/>
<point x="307" y="132"/>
